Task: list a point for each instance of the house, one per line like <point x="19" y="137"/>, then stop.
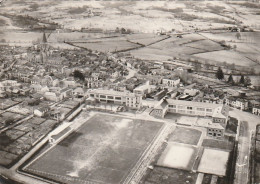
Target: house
<point x="115" y="74"/>
<point x="144" y="89"/>
<point x="170" y="82"/>
<point x="95" y="75"/>
<point x="78" y="92"/>
<point x="41" y="111"/>
<point x="69" y="82"/>
<point x="36" y="87"/>
<point x="191" y="92"/>
<point x="255" y="107"/>
<point x="110" y="96"/>
<point x="53" y="96"/>
<point x="239" y="103"/>
<point x="4" y="85"/>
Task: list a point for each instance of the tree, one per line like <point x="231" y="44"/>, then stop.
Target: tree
<point x="242" y="79"/>
<point x="78" y="75"/>
<point x="220" y="74"/>
<point x="238" y="35"/>
<point x="247" y="81"/>
<point x="230" y="79"/>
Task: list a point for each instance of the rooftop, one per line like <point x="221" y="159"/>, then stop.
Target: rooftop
<point x="191" y="103"/>
<point x="111" y="92"/>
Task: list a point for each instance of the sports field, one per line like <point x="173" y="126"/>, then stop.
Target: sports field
<point x="185" y="136"/>
<point x="103" y="150"/>
<point x="214" y="162"/>
<point x="179" y="156"/>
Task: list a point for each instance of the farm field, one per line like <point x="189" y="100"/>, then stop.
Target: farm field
<point x="178" y="156"/>
<point x="213" y="162"/>
<point x="185" y="135"/>
<point x="206" y="45"/>
<point x="108" y="46"/>
<point x="104" y="150"/>
<point x="163" y="175"/>
<point x="227" y="56"/>
<point x="145" y="39"/>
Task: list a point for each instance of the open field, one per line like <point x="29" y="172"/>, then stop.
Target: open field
<point x="206" y="45"/>
<point x="145" y="39"/>
<point x="185" y="135"/>
<point x="103" y="150"/>
<point x="229" y="57"/>
<point x="108" y="46"/>
<point x="178" y="156"/>
<point x="162" y="175"/>
<point x="214" y="162"/>
<point x="218" y="144"/>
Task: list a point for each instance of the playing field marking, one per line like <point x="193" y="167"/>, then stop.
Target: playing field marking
<point x="142" y="158"/>
<point x="104" y="143"/>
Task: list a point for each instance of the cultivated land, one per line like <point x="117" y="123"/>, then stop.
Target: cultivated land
<point x="202" y="26"/>
<point x="186" y="136"/>
<point x="178" y="156"/>
<point x="103" y="150"/>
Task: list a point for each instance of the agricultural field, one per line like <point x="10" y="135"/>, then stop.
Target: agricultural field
<point x="104" y="149"/>
<point x="205" y="45"/>
<point x="107" y="46"/>
<point x="229" y="57"/>
<point x="145" y="39"/>
<point x="178" y="156"/>
<point x="185" y="135"/>
<point x="214" y="162"/>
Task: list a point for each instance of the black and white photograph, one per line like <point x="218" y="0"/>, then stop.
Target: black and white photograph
<point x="129" y="92"/>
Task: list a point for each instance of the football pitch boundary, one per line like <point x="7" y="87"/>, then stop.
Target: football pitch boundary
<point x="127" y="176"/>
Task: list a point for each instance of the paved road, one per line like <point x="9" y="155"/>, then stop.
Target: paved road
<point x="247" y="123"/>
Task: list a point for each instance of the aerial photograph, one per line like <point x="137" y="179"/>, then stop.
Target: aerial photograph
<point x="129" y="92"/>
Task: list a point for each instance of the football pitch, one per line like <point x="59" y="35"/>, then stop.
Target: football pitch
<point x="104" y="149"/>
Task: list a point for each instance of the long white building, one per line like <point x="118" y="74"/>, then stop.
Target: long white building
<point x="125" y="98"/>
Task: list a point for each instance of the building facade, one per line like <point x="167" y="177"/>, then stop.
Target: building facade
<point x="110" y="96"/>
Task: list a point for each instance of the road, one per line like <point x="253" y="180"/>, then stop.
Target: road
<point x="247" y="123"/>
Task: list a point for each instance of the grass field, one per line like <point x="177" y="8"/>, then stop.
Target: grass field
<point x="214" y="162"/>
<point x="227" y="56"/>
<point x="103" y="150"/>
<point x="105" y="46"/>
<point x="178" y="156"/>
<point x="162" y="175"/>
<point x="185" y="135"/>
<point x="218" y="144"/>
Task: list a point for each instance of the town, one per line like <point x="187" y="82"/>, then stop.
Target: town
<point x="100" y="103"/>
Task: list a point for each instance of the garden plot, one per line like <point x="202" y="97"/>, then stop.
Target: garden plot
<point x="179" y="156"/>
<point x="214" y="162"/>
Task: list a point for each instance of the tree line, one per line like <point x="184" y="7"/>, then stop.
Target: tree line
<point x="244" y="81"/>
